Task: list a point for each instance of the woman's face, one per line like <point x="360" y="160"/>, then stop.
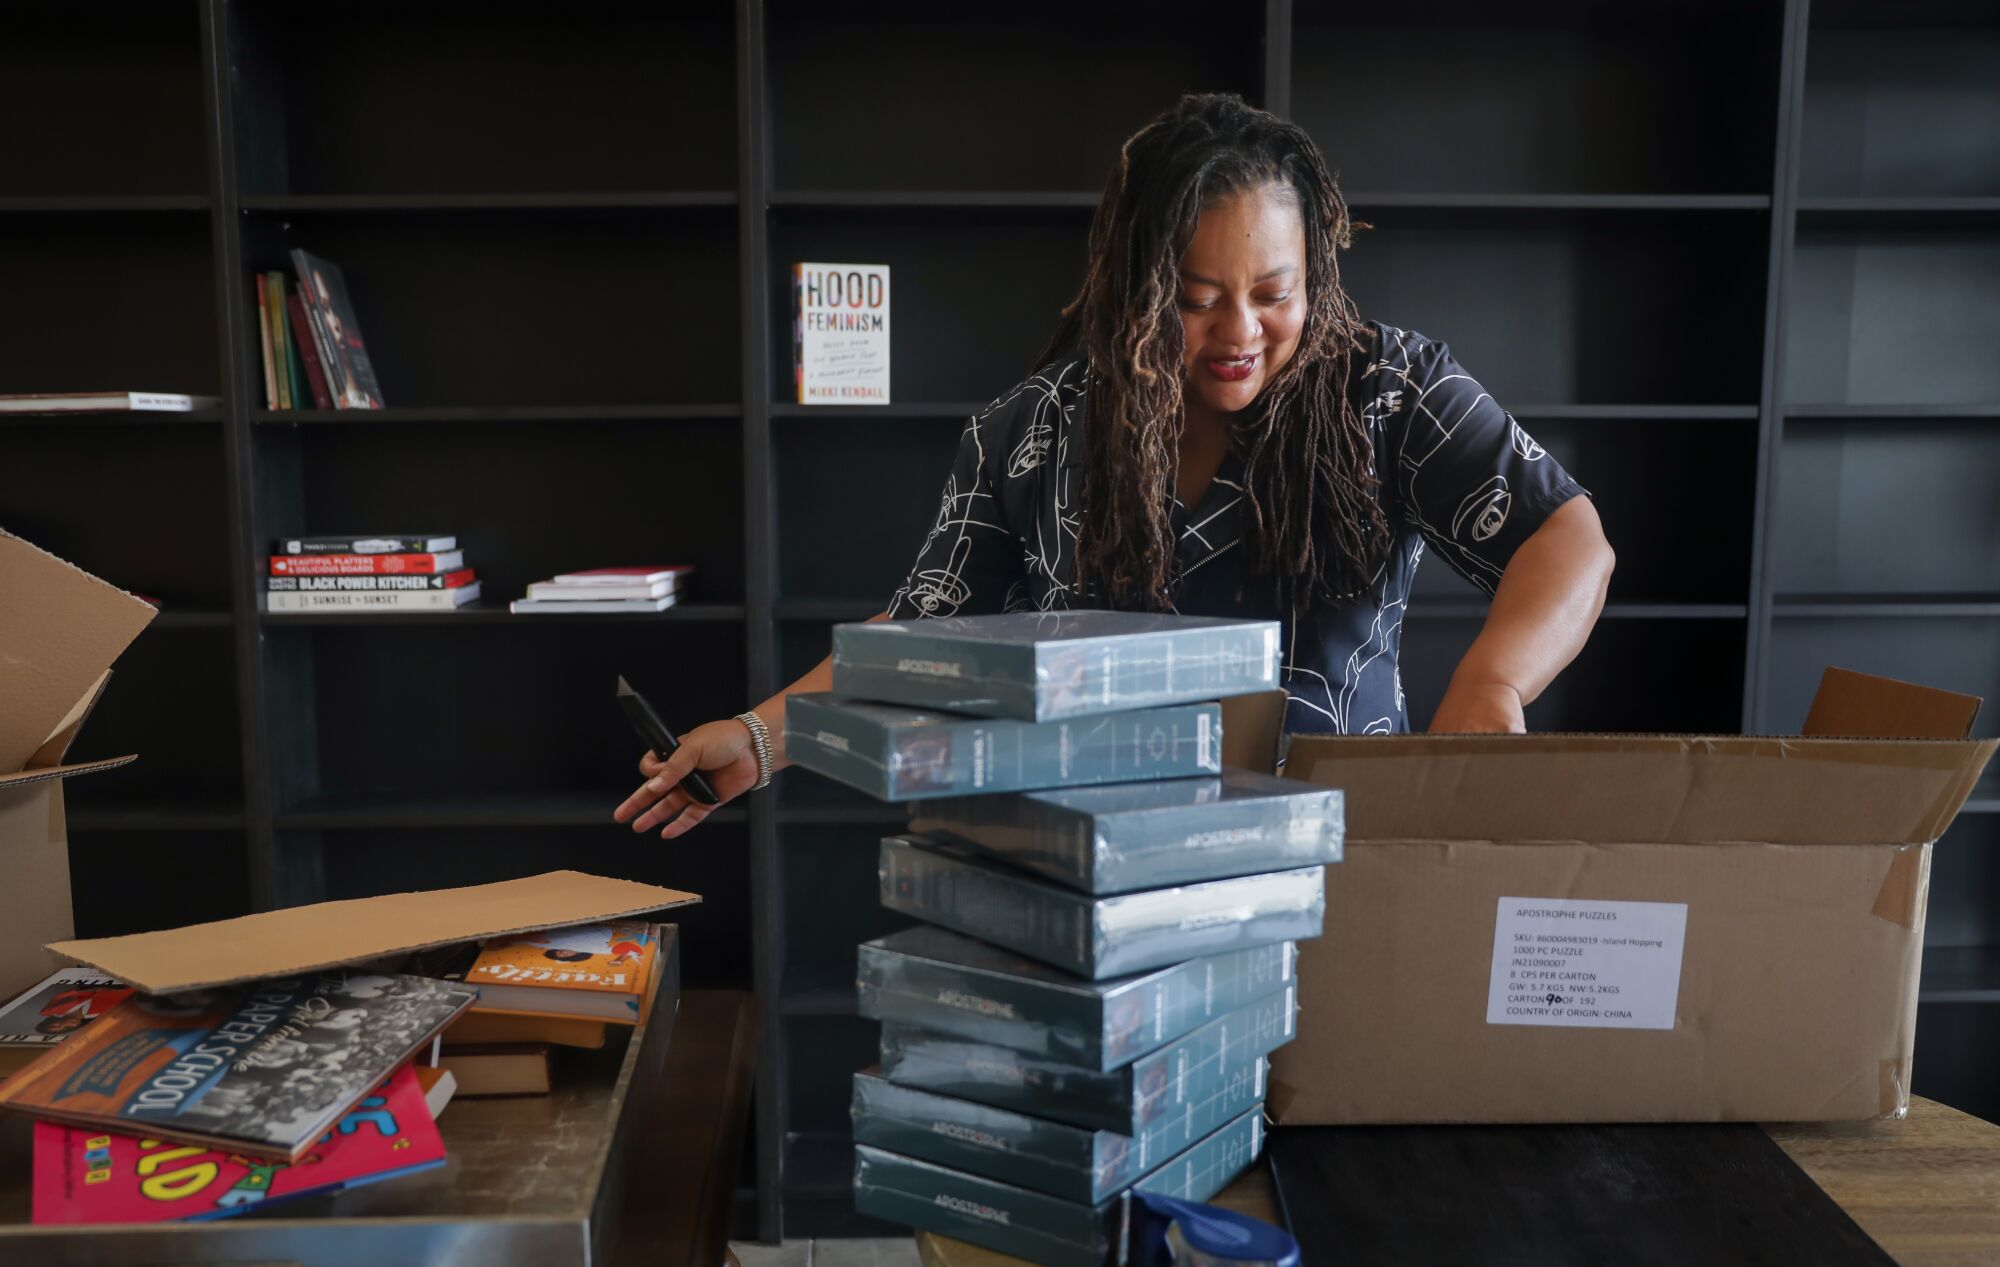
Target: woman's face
<point x="1243" y="296"/>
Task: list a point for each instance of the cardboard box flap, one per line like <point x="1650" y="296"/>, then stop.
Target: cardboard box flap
<point x="56" y="746"/>
<point x="42" y="774"/>
<point x="60" y="628"/>
<point x="1859" y="705"/>
<point x="327" y="934"/>
<point x="1643" y="789"/>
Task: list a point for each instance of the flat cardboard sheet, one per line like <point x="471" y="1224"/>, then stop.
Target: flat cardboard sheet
<point x="326" y="934"/>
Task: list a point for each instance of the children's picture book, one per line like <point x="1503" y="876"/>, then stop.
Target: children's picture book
<point x="60" y="1005"/>
<point x="94" y="1176"/>
<point x="262" y="1070"/>
<point x="591" y="970"/>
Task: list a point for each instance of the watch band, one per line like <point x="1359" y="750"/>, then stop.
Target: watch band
<point x="760" y="743"/>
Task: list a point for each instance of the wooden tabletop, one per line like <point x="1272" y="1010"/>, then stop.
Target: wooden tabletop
<point x="1927" y="1188"/>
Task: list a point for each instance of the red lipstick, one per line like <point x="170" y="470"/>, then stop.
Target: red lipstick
<point x="1233" y="369"/>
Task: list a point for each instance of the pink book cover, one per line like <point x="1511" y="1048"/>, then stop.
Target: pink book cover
<point x="92" y="1176"/>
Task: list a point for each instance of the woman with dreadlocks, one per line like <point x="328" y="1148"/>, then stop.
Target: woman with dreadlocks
<point x="1214" y="430"/>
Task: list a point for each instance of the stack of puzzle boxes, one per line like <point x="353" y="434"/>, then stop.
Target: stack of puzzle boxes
<point x="1110" y="917"/>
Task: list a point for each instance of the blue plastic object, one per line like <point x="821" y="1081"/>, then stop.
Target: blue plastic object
<point x="1172" y="1233"/>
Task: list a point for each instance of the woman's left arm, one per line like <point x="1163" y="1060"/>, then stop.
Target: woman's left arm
<point x="1548" y="599"/>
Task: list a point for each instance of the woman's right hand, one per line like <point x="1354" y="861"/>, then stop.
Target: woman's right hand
<point x="720" y="749"/>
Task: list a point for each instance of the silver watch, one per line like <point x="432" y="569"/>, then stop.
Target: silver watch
<point x="760" y="741"/>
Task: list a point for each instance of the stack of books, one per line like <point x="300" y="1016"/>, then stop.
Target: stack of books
<point x="559" y="987"/>
<point x="358" y="572"/>
<point x="1111" y="917"/>
<point x="312" y="350"/>
<point x="634" y="589"/>
<point x="203" y="1104"/>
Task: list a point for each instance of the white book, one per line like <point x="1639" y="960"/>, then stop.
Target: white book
<point x="623" y="576"/>
<point x="539" y="606"/>
<point x="840" y="346"/>
<point x="374" y="600"/>
<point x="104" y="402"/>
<point x="557" y="592"/>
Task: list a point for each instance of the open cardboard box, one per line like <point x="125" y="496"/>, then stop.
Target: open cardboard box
<point x="60" y="629"/>
<point x="1626" y="928"/>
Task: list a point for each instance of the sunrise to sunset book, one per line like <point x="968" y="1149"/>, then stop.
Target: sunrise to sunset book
<point x="590" y="970"/>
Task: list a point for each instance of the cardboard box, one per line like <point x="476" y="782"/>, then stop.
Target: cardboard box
<point x="1756" y="904"/>
<point x="60" y="629"/>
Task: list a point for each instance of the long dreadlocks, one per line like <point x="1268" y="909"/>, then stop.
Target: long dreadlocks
<point x="1317" y="530"/>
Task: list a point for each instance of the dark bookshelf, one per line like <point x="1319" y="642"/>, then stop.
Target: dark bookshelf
<point x="1745" y="295"/>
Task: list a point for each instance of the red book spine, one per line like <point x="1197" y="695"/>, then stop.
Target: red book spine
<point x="295" y="310"/>
<point x="352" y="564"/>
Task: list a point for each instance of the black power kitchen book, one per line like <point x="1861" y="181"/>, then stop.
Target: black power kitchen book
<point x="1128" y="836"/>
<point x="1125" y="1100"/>
<point x="940" y="981"/>
<point x="1071" y="1162"/>
<point x="262" y="1070"/>
<point x="1034" y="1225"/>
<point x="942" y="882"/>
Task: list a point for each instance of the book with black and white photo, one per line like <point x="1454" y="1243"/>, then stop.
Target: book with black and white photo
<point x="367" y="543"/>
<point x="103" y="402"/>
<point x="374" y="600"/>
<point x="262" y="1069"/>
<point x="396" y="583"/>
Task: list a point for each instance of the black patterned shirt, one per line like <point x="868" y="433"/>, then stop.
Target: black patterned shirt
<point x="1462" y="479"/>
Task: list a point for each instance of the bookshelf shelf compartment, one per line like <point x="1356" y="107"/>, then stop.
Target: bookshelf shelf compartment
<point x="419" y="204"/>
<point x="498" y="414"/>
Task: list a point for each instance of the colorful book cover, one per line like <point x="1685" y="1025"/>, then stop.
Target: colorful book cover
<point x="264" y="1069"/>
<point x="308" y="349"/>
<point x="595" y="969"/>
<point x="90" y="1176"/>
<point x="354" y="385"/>
<point x="59" y="1006"/>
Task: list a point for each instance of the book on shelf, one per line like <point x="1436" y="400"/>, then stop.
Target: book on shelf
<point x="397" y="583"/>
<point x="103" y="402"/>
<point x="492" y="1069"/>
<point x="331" y="313"/>
<point x="307" y="350"/>
<point x="671" y="576"/>
<point x="442" y="600"/>
<point x="840" y="333"/>
<point x="555" y="591"/>
<point x="367" y="543"/>
<point x="572" y="607"/>
<point x="101" y="1176"/>
<point x="367" y="564"/>
<point x="263" y="1070"/>
<point x="280" y="328"/>
<point x="51" y="1010"/>
<point x="264" y="344"/>
<point x="587" y="970"/>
